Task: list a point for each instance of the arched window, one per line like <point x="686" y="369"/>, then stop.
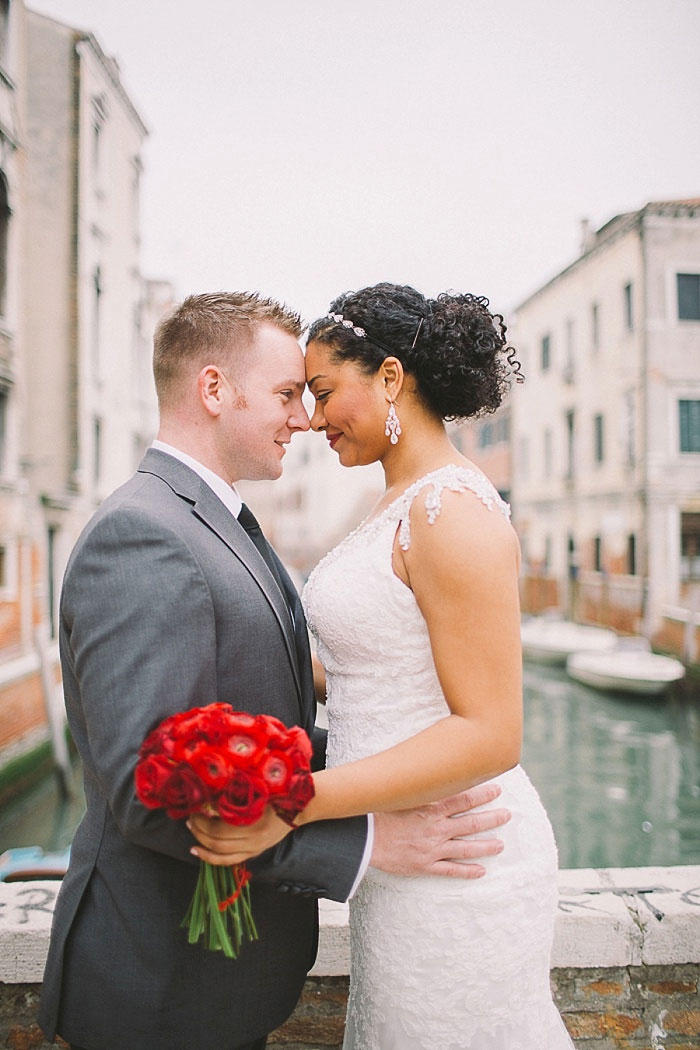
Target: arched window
<point x="4" y="228"/>
<point x="4" y="30"/>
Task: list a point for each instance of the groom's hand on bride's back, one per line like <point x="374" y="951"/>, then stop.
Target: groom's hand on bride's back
<point x="428" y="840"/>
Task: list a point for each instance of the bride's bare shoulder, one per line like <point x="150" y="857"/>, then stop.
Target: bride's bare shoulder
<point x="462" y="520"/>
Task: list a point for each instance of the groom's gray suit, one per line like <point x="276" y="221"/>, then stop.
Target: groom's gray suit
<point x="167" y="605"/>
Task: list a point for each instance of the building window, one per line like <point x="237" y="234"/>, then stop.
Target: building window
<point x="4" y="402"/>
<point x="690" y="547"/>
<point x="598" y="439"/>
<point x="4" y="231"/>
<point x="96" y="315"/>
<point x="547" y="553"/>
<point x="96" y="144"/>
<point x="3" y="567"/>
<point x="570" y="445"/>
<point x="486" y="435"/>
<point x="4" y="30"/>
<point x="97" y="450"/>
<point x="546" y="353"/>
<point x="137" y="168"/>
<point x="595" y="326"/>
<point x="688" y="285"/>
<point x="628" y="307"/>
<point x="689" y="420"/>
<point x="99" y="119"/>
<point x="597" y="554"/>
<point x="632" y="554"/>
<point x="548" y="453"/>
<point x="570" y="352"/>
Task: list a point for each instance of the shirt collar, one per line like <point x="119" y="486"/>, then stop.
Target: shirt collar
<point x="228" y="494"/>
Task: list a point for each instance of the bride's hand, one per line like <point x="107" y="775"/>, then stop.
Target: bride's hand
<point x="224" y="844"/>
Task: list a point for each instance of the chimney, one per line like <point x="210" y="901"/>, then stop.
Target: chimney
<point x="587" y="236"/>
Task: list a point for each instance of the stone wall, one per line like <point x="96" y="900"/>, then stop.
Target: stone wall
<point x="625" y="963"/>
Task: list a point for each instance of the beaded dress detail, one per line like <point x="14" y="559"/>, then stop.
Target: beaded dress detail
<point x="436" y="962"/>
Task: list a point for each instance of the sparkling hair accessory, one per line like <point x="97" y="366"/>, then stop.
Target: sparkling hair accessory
<point x="361" y="333"/>
<point x="346" y="323"/>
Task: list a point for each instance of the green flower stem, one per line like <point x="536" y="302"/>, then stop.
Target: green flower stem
<point x="215" y="916"/>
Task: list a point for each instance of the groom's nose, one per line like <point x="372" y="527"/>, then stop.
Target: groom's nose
<point x="299" y="419"/>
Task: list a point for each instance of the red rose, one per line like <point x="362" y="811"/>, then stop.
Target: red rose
<point x="241" y="719"/>
<point x="216" y="723"/>
<point x="276" y="770"/>
<point x="183" y="750"/>
<point x="299" y="746"/>
<point x="246" y="746"/>
<point x="158" y="742"/>
<point x="214" y="765"/>
<point x="300" y="791"/>
<point x="274" y="732"/>
<point x="184" y="793"/>
<point x="244" y="798"/>
<point x="150" y="777"/>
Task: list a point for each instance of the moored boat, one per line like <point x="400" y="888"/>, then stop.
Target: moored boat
<point x="24" y="863"/>
<point x="546" y="641"/>
<point x="626" y="671"/>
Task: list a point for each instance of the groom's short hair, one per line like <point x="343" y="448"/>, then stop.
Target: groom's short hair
<point x="212" y="328"/>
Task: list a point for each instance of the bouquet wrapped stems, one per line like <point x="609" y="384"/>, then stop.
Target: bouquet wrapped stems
<point x="220" y="910"/>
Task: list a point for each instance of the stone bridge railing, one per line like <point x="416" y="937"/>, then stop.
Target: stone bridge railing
<point x="625" y="965"/>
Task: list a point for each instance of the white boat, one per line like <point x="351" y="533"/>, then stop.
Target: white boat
<point x="546" y="641"/>
<point x="626" y="671"/>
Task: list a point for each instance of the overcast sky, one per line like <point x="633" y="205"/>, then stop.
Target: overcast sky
<point x="304" y="147"/>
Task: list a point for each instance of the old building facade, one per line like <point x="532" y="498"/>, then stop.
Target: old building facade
<point x="606" y="430"/>
<point x="77" y="405"/>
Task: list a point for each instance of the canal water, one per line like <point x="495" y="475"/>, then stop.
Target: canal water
<point x="620" y="778"/>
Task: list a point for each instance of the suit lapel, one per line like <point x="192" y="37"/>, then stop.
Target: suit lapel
<point x="211" y="512"/>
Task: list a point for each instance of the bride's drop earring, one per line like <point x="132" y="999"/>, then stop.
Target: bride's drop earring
<point x="392" y="428"/>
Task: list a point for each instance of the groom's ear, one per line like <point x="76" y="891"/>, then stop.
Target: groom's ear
<point x="392" y="374"/>
<point x="210" y="387"/>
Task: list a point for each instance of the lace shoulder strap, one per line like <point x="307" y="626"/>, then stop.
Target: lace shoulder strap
<point x="454" y="478"/>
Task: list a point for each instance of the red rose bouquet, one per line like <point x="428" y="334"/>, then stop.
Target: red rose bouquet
<point x="229" y="764"/>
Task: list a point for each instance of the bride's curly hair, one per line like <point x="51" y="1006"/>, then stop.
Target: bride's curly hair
<point x="453" y="346"/>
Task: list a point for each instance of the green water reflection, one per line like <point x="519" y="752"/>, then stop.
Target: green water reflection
<point x="43" y="817"/>
<point x="620" y="778"/>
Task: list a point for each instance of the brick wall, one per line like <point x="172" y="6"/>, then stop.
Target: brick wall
<point x="634" y="1008"/>
<point x="538" y="593"/>
<point x="21" y="709"/>
<point x="626" y="964"/>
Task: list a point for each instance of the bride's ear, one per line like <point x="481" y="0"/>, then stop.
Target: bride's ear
<point x="392" y="375"/>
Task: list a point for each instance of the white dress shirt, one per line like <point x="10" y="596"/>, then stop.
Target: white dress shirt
<point x="230" y="497"/>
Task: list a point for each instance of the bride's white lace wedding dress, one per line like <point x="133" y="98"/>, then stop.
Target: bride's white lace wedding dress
<point x="436" y="962"/>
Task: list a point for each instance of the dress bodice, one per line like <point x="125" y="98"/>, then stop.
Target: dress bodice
<point x="372" y="638"/>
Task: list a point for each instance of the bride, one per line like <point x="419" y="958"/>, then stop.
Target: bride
<point x="417" y="623"/>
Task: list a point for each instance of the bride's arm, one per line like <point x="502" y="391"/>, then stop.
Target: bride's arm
<point x="463" y="570"/>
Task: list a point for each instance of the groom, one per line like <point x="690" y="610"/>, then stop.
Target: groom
<point x="172" y="599"/>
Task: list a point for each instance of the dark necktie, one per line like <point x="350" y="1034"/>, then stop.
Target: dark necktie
<point x="250" y="523"/>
